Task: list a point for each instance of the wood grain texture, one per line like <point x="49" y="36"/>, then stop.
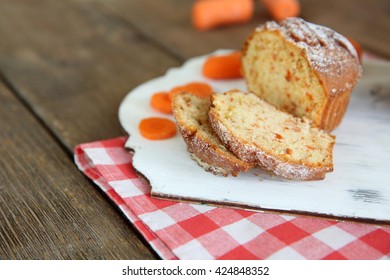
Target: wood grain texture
<point x="169" y="24"/>
<point x="70" y="63"/>
<point x="73" y="65"/>
<point x="48" y="210"/>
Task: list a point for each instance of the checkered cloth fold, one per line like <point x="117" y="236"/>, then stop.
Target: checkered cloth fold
<point x="189" y="231"/>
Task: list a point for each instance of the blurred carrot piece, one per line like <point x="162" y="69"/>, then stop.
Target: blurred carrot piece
<point x="161" y="101"/>
<point x="208" y="14"/>
<point x="157" y="128"/>
<point x="198" y="88"/>
<point x="223" y="66"/>
<point x="282" y="9"/>
<point x="176" y="90"/>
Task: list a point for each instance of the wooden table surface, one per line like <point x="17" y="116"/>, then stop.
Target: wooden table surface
<point x="65" y="66"/>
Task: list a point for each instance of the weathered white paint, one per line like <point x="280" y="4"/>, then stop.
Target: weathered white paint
<point x="359" y="187"/>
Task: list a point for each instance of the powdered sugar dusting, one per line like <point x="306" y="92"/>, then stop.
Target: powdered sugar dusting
<point x="347" y="44"/>
<point x="290" y="170"/>
<point x="328" y="51"/>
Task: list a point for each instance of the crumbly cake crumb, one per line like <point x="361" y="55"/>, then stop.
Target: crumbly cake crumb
<point x="190" y="112"/>
<point x="303" y="68"/>
<point x="259" y="133"/>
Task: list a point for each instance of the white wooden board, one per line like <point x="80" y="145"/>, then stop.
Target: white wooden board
<point x="358" y="188"/>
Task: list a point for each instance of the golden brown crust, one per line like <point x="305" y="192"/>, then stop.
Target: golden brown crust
<point x="256" y="154"/>
<point x="203" y="149"/>
<point x="332" y="58"/>
<point x="334" y="111"/>
<point x="211" y="158"/>
<point x="291" y="170"/>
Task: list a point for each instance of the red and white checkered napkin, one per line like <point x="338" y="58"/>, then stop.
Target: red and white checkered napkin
<point x="188" y="231"/>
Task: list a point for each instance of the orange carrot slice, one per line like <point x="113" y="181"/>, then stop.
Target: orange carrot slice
<point x="282" y="9"/>
<point x="162" y="102"/>
<point x="176" y="90"/>
<point x="157" y="128"/>
<point x="208" y="14"/>
<point x="223" y="66"/>
<point x="198" y="88"/>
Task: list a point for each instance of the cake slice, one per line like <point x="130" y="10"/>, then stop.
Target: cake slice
<point x="305" y="69"/>
<point x="190" y="112"/>
<point x="258" y="133"/>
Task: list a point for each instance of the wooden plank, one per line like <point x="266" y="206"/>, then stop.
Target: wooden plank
<point x="49" y="210"/>
<point x="170" y="23"/>
<point x="73" y="65"/>
<point x="72" y="62"/>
